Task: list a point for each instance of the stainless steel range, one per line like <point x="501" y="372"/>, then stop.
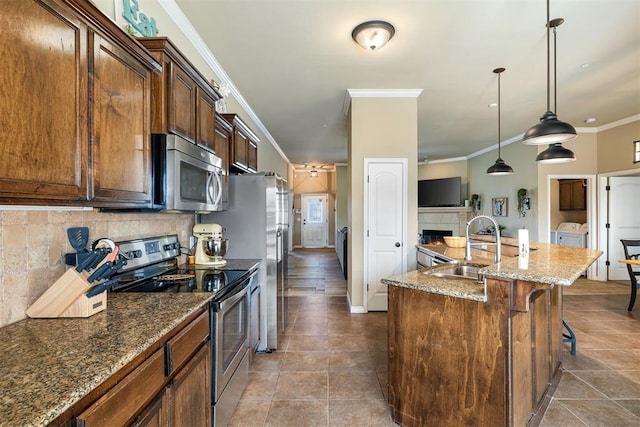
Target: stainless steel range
<point x="153" y="266"/>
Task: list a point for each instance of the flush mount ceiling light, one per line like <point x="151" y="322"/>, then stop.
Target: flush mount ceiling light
<point x="500" y="167"/>
<point x="550" y="130"/>
<point x="372" y="35"/>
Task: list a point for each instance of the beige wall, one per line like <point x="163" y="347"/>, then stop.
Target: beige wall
<point x="379" y="128"/>
<point x="615" y="148"/>
<point x="303" y="183"/>
<point x="33" y="245"/>
<point x="522" y="159"/>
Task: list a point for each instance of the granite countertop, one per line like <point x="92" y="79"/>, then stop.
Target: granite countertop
<point x="547" y="263"/>
<point x="50" y="364"/>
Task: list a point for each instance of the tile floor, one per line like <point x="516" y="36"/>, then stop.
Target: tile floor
<point x="331" y="367"/>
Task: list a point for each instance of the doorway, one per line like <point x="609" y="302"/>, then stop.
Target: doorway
<point x="619" y="209"/>
<point x="315" y="220"/>
<point x="586" y="214"/>
<point x="385" y="218"/>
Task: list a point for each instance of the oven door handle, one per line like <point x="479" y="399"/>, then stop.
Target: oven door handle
<point x="230" y="300"/>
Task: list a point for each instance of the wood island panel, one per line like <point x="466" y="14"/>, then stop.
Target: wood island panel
<point x="456" y="361"/>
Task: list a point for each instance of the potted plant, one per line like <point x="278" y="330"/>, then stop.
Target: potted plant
<point x="523" y="202"/>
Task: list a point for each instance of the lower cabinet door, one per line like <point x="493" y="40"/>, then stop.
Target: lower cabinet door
<point x="156" y="414"/>
<point x="190" y="392"/>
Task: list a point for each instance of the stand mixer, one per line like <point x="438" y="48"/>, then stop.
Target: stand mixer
<point x="210" y="247"/>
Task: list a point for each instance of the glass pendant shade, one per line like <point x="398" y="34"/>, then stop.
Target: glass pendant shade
<point x="372" y="35"/>
<point x="549" y="131"/>
<point x="556" y="153"/>
<point x="500" y="168"/>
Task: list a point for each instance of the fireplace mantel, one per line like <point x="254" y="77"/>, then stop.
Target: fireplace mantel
<point x="455" y="209"/>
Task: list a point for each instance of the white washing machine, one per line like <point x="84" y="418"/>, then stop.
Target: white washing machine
<point x="570" y="234"/>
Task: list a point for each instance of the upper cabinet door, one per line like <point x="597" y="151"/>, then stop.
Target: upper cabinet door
<point x="43" y="105"/>
<point x="182" y="103"/>
<point x="183" y="100"/>
<point x="121" y="147"/>
<point x="206" y="108"/>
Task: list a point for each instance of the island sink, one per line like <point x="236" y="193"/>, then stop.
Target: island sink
<point x="465" y="271"/>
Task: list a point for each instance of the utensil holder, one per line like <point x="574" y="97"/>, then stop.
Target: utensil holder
<point x="66" y="298"/>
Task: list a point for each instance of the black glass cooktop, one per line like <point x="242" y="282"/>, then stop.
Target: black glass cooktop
<point x="183" y="279"/>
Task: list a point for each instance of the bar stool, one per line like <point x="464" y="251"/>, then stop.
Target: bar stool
<point x="626" y="244"/>
<point x="569" y="336"/>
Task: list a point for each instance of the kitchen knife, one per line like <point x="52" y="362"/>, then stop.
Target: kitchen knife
<point x="97" y="274"/>
<point x="98" y="289"/>
<point x="88" y="260"/>
<point x="114" y="267"/>
<point x="101" y="259"/>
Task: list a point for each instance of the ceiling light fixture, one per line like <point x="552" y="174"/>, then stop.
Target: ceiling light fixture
<point x="500" y="167"/>
<point x="556" y="153"/>
<point x="550" y="130"/>
<point x="372" y="35"/>
<point x="313" y="173"/>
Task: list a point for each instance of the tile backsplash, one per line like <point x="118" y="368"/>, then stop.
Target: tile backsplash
<point x="33" y="244"/>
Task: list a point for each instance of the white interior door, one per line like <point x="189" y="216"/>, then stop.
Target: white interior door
<point x="624" y="221"/>
<point x="385" y="222"/>
<point x="315" y="220"/>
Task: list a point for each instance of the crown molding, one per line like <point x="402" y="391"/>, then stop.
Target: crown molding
<point x="181" y="21"/>
<point x="377" y="93"/>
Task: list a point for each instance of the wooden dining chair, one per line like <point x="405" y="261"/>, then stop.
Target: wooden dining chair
<point x="634" y="245"/>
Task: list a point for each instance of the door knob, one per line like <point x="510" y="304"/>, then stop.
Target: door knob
<point x="397" y="244"/>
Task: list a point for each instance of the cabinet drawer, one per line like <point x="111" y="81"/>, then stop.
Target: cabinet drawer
<point x="128" y="397"/>
<point x="186" y="342"/>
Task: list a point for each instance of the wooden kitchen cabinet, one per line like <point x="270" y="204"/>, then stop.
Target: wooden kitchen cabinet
<point x="244" y="146"/>
<point x="156" y="414"/>
<point x="171" y="387"/>
<point x="183" y="101"/>
<point x="224" y="132"/>
<point x="75" y="100"/>
<point x="121" y="126"/>
<point x="572" y="195"/>
<point x="190" y="392"/>
<point x="128" y="397"/>
<point x="43" y="107"/>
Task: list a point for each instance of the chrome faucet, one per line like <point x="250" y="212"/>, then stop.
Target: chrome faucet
<point x="467" y="248"/>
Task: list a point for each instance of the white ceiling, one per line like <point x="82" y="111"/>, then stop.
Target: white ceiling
<point x="293" y="60"/>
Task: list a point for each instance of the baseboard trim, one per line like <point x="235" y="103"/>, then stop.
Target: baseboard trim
<point x="356" y="309"/>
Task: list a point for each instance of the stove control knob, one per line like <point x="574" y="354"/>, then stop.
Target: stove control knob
<point x="137" y="254"/>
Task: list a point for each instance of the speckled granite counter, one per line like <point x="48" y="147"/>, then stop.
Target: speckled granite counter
<point x="50" y="364"/>
<point x="548" y="263"/>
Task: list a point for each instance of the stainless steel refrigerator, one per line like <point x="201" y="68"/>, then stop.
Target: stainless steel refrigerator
<point x="257" y="226"/>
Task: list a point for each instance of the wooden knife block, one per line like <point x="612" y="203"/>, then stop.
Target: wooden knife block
<point x="66" y="298"/>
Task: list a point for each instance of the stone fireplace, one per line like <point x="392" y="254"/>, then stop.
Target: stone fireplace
<point x="444" y="219"/>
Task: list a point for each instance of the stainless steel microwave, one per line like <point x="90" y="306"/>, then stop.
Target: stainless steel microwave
<point x="186" y="176"/>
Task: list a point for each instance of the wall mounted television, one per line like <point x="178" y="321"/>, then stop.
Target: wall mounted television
<point x="443" y="192"/>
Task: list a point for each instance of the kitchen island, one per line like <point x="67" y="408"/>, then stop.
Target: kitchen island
<point x="463" y="352"/>
<point x="54" y="368"/>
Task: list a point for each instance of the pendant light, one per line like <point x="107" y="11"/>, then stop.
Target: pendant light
<point x="500" y="167"/>
<point x="550" y="130"/>
<point x="556" y="153"/>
